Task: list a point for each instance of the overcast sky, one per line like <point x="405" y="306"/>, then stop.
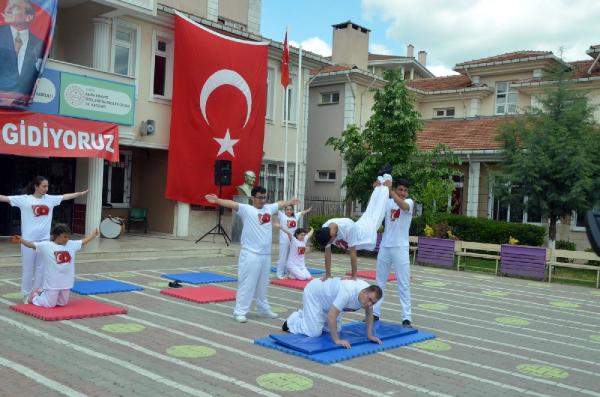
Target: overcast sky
<point x="451" y="31"/>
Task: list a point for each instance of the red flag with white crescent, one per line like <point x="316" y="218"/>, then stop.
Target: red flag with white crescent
<point x="218" y="110"/>
<point x="285" y="63"/>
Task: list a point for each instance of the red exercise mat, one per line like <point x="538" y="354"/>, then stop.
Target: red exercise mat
<point x="370" y="274"/>
<point x="206" y="294"/>
<point x="76" y="308"/>
<point x="297" y="284"/>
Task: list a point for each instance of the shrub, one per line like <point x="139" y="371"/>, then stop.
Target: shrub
<point x="565" y="245"/>
<point x="592" y="263"/>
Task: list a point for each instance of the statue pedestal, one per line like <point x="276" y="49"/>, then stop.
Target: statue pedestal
<point x="236" y="221"/>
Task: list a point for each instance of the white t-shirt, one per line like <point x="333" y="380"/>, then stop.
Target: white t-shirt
<point x="397" y="224"/>
<point x="343" y="294"/>
<point x="58" y="262"/>
<point x="257" y="231"/>
<point x="296" y="255"/>
<point x="288" y="223"/>
<point x="346" y="234"/>
<point x="36" y="215"/>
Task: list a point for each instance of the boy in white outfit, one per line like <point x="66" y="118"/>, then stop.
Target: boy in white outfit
<point x="254" y="262"/>
<point x="296" y="263"/>
<point x="360" y="235"/>
<point x="289" y="220"/>
<point x="394" y="248"/>
<point x="58" y="264"/>
<point x="324" y="302"/>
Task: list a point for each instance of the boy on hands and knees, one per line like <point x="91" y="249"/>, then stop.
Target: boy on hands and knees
<point x="394" y="248"/>
<point x="362" y="234"/>
<point x="324" y="302"/>
<point x="254" y="262"/>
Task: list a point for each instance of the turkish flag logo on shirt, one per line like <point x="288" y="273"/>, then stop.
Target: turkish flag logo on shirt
<point x="301" y="250"/>
<point x="40" y="210"/>
<point x="341" y="244"/>
<point x="218" y="110"/>
<point x="264" y="218"/>
<point x="395" y="214"/>
<point x="291" y="223"/>
<point x="62" y="257"/>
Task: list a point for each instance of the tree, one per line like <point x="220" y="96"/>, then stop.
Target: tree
<point x="390" y="137"/>
<point x="549" y="154"/>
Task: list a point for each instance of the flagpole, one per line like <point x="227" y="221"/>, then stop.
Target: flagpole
<point x="285" y="145"/>
<point x="297" y="169"/>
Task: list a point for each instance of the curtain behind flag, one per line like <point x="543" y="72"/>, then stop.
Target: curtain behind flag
<point x="218" y="110"/>
<point x="25" y="37"/>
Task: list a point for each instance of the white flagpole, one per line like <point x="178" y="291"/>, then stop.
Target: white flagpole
<point x="297" y="169"/>
<point x="285" y="146"/>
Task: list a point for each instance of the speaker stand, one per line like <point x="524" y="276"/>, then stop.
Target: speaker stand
<point x="218" y="228"/>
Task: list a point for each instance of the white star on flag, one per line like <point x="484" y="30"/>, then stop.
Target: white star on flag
<point x="226" y="144"/>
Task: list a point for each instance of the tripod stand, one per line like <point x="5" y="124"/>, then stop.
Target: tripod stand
<point x="218" y="229"/>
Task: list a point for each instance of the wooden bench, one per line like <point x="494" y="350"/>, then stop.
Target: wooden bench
<point x="573" y="255"/>
<point x="412" y="241"/>
<point x="520" y="260"/>
<point x="464" y="248"/>
<point x="435" y="251"/>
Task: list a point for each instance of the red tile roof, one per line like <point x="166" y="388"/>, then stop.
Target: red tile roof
<point x="580" y="69"/>
<point x="507" y="57"/>
<point x="381" y="57"/>
<point x="461" y="134"/>
<point x="330" y="69"/>
<point x="440" y="83"/>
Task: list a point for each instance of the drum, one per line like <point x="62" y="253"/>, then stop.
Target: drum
<point x="111" y="227"/>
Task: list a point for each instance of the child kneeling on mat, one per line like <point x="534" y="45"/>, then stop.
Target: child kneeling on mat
<point x="296" y="264"/>
<point x="58" y="263"/>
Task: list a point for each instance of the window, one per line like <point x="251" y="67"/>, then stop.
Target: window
<point x="330" y="98"/>
<point x="506" y="99"/>
<point x="578" y="219"/>
<point x="271" y="178"/>
<point x="511" y="205"/>
<point x="443" y="112"/>
<point x="325" y="176"/>
<point x="124" y="49"/>
<point x="270" y="92"/>
<point x="162" y="67"/>
<point x="291" y="93"/>
<point x="116" y="187"/>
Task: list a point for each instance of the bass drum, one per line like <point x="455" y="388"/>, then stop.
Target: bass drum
<point x="111" y="227"/>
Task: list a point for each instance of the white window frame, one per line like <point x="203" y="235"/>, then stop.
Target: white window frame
<point x="445" y="113"/>
<point x="326" y="98"/>
<point x="505" y="100"/>
<point x="278" y="175"/>
<point x="270" y="94"/>
<point x="291" y="91"/>
<point x="126" y="183"/>
<point x="167" y="37"/>
<point x="134" y="47"/>
<point x="328" y="179"/>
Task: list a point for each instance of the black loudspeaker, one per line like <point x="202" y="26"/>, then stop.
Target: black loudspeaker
<point x="223" y="172"/>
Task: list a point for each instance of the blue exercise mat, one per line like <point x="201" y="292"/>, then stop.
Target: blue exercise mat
<point x="355" y="333"/>
<point x="341" y="354"/>
<point x="199" y="277"/>
<point x="103" y="287"/>
<point x="311" y="270"/>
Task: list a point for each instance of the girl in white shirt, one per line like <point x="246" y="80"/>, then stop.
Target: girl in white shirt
<point x="289" y="220"/>
<point x="58" y="262"/>
<point x="296" y="264"/>
<point x="36" y="219"/>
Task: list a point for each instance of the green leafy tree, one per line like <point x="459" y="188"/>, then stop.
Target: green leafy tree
<point x="551" y="156"/>
<point x="390" y="137"/>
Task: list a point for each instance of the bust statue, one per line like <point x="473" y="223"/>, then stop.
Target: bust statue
<point x="245" y="189"/>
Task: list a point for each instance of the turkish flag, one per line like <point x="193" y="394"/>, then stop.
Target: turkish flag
<point x="62" y="257"/>
<point x="40" y="210"/>
<point x="218" y="110"/>
<point x="285" y="63"/>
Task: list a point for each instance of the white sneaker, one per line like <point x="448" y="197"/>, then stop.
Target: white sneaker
<point x="240" y="319"/>
<point x="268" y="314"/>
<point x="26" y="298"/>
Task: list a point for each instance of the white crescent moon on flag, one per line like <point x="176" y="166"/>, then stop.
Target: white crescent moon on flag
<point x="225" y="77"/>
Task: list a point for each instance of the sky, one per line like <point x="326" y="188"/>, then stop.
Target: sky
<point x="451" y="31"/>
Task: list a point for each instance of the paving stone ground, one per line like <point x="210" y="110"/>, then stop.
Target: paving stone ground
<point x="496" y="337"/>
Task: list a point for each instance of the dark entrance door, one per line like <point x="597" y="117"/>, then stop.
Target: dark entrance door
<point x="15" y="174"/>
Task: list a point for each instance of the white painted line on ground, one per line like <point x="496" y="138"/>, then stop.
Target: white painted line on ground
<point x="39" y="378"/>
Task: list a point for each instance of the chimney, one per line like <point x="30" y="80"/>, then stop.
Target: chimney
<point x="410" y="51"/>
<point x="422" y="57"/>
<point x="350" y="45"/>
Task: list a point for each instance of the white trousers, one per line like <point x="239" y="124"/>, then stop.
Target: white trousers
<point x="368" y="223"/>
<point x="253" y="280"/>
<point x="311" y="320"/>
<point x="284" y="250"/>
<point x="32" y="270"/>
<point x="399" y="257"/>
<point x="52" y="298"/>
<point x="299" y="273"/>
